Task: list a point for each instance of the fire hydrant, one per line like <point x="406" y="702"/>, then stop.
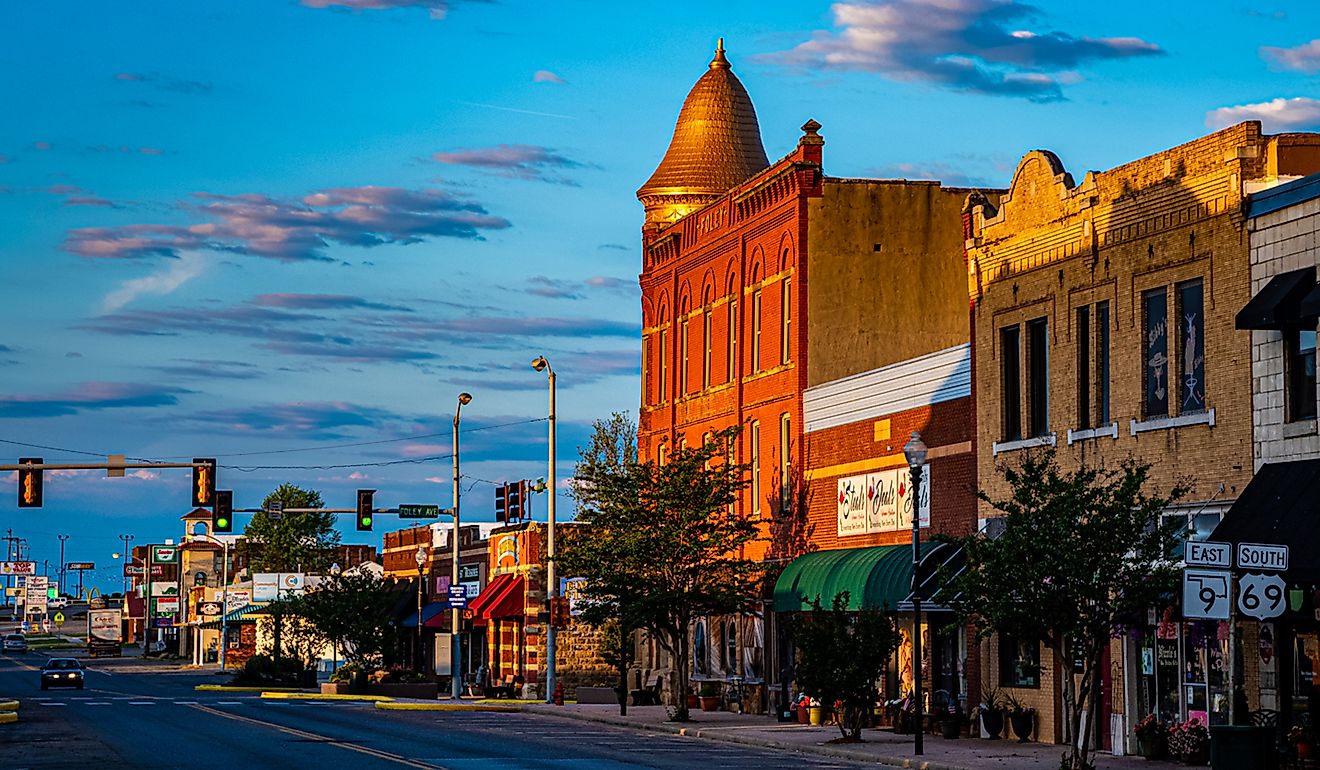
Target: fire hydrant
<point x="559" y="693"/>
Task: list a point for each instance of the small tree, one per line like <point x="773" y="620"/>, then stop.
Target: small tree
<point x="841" y="655"/>
<point x="1083" y="552"/>
<point x="354" y="612"/>
<point x="659" y="548"/>
<point x="295" y="542"/>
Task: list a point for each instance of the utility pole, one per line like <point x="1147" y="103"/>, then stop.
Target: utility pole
<point x="62" y="538"/>
<point x="10" y="542"/>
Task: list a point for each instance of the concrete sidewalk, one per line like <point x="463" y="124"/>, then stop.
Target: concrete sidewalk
<point x="880" y="745"/>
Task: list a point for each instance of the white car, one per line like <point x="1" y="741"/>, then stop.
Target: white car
<point x="58" y="603"/>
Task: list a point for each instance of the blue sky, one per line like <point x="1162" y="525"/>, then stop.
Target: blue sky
<point x="230" y="229"/>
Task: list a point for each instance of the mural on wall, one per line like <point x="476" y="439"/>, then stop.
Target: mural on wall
<point x="881" y="502"/>
<point x="1193" y="348"/>
<point x="1157" y="354"/>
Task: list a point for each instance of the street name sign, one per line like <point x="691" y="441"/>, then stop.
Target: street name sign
<point x="419" y="511"/>
<point x="1262" y="596"/>
<point x="1262" y="556"/>
<point x="1206" y="594"/>
<point x="1207" y="554"/>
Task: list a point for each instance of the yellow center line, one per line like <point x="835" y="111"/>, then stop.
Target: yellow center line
<point x="323" y="739"/>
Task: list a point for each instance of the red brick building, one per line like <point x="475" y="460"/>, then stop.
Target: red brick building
<point x="826" y="316"/>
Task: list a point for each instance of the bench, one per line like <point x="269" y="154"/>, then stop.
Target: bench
<point x="648" y="695"/>
<point x="509" y="685"/>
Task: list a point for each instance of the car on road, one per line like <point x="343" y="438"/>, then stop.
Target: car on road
<point x="15" y="643"/>
<point x="58" y="603"/>
<point x="62" y="672"/>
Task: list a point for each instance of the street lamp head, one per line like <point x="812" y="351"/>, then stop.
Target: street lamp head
<point x="540" y="364"/>
<point x="335" y="569"/>
<point x="420" y="556"/>
<point x="915" y="451"/>
<point x="464" y="399"/>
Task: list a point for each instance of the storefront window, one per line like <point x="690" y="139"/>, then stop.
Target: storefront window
<point x="1019" y="662"/>
<point x="1306" y="652"/>
<point x="1184" y="671"/>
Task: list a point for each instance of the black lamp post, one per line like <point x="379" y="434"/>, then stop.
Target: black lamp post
<point x="915" y="452"/>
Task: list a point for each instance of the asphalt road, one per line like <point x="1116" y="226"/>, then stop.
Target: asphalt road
<point x="128" y="717"/>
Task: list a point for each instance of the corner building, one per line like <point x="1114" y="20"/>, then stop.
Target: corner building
<point x="1103" y="325"/>
<point x="828" y="317"/>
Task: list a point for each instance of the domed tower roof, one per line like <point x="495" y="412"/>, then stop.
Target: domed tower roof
<point x="716" y="145"/>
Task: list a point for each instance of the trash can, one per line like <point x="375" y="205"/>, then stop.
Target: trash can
<point x="1243" y="747"/>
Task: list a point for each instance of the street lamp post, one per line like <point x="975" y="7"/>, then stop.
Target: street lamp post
<point x="455" y="649"/>
<point x="552" y="587"/>
<point x="915" y="452"/>
<point x="128" y="559"/>
<point x="420" y="558"/>
<point x="335" y="572"/>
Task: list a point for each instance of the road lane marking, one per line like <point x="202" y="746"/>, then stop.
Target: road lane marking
<point x="141" y="703"/>
<point x="52" y="703"/>
<point x="324" y="739"/>
<point x="99" y="703"/>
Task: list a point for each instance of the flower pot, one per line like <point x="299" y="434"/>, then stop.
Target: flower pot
<point x="802" y="715"/>
<point x="1303" y="749"/>
<point x="949" y="728"/>
<point x="1151" y="746"/>
<point x="1200" y="757"/>
<point x="709" y="702"/>
<point x="693" y="701"/>
<point x="1022" y="723"/>
<point x="816" y="715"/>
<point x="993" y="722"/>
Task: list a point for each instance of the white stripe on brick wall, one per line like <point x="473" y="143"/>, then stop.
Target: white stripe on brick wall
<point x="916" y="382"/>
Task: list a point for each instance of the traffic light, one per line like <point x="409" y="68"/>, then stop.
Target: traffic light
<point x="500" y="502"/>
<point x="203" y="482"/>
<point x="222" y="516"/>
<point x="29" y="484"/>
<point x="364" y="509"/>
<point x="513" y="506"/>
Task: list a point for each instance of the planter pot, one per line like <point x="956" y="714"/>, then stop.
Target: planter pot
<point x="692" y="701"/>
<point x="802" y="715"/>
<point x="424" y="690"/>
<point x="816" y="715"/>
<point x="1304" y="750"/>
<point x="1022" y="725"/>
<point x="359" y="684"/>
<point x="335" y="688"/>
<point x="1151" y="746"/>
<point x="1200" y="757"/>
<point x="993" y="722"/>
<point x="709" y="702"/>
<point x="950" y="728"/>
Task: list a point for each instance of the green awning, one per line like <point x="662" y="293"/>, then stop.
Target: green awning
<point x="879" y="577"/>
<point x="246" y="614"/>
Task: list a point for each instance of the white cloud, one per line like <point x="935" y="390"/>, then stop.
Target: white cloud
<point x="1302" y="58"/>
<point x="188" y="266"/>
<point x="546" y="76"/>
<point x="1294" y="114"/>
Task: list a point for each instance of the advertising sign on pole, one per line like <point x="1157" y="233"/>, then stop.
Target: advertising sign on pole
<point x="18" y="567"/>
<point x="164" y="554"/>
<point x="457" y="597"/>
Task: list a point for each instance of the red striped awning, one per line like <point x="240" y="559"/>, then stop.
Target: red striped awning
<point x="502" y="598"/>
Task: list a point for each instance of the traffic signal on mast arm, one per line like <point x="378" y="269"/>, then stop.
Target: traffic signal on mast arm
<point x="29" y="484"/>
<point x="222" y="516"/>
<point x="364" y="509"/>
<point x="203" y="482"/>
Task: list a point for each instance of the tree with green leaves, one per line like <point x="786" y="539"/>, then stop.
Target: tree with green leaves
<point x="293" y="542"/>
<point x="353" y="611"/>
<point x="841" y="655"/>
<point x="1083" y="553"/>
<point x="658" y="547"/>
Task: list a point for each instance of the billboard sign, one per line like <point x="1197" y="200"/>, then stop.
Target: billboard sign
<point x="18" y="568"/>
<point x="881" y="502"/>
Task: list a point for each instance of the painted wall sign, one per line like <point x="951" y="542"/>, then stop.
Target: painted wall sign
<point x="881" y="502"/>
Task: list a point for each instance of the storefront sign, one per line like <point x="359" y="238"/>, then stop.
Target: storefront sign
<point x="881" y="502"/>
<point x="1261" y="596"/>
<point x="164" y="554"/>
<point x="18" y="567"/>
<point x="1205" y="594"/>
<point x="239" y="598"/>
<point x="166" y="605"/>
<point x="1260" y="556"/>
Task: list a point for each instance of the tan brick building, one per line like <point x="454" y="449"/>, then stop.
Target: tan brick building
<point x="1103" y="325"/>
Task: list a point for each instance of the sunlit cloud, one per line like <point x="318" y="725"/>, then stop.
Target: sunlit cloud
<point x="519" y="161"/>
<point x="546" y="76"/>
<point x="89" y="396"/>
<point x="1302" y="58"/>
<point x="1296" y="114"/>
<point x="188" y="266"/>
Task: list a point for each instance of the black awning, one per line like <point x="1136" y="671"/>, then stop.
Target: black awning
<point x="944" y="562"/>
<point x="1309" y="307"/>
<point x="1278" y="304"/>
<point x="1281" y="505"/>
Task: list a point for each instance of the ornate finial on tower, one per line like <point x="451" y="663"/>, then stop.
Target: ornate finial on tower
<point x="719" y="62"/>
<point x="811" y="133"/>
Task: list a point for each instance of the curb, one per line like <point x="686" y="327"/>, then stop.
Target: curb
<point x="8" y="705"/>
<point x="396" y="706"/>
<point x="295" y="695"/>
<point x="8" y="717"/>
<point x="228" y="688"/>
<point x="710" y="735"/>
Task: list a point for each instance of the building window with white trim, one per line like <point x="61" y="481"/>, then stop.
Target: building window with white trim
<point x="705" y="341"/>
<point x="754" y="437"/>
<point x="756" y="330"/>
<point x="1299" y="369"/>
<point x="785" y="464"/>
<point x="786" y="313"/>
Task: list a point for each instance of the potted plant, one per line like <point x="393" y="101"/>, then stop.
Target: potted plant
<point x="991" y="711"/>
<point x="709" y="696"/>
<point x="1190" y="741"/>
<point x="692" y="700"/>
<point x="1302" y="741"/>
<point x="951" y="722"/>
<point x="1151" y="734"/>
<point x="1020" y="717"/>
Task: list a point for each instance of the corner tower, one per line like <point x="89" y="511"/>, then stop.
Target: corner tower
<point x="716" y="145"/>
